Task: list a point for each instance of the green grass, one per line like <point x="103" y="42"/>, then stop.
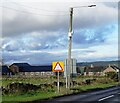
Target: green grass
<point x="99" y="86"/>
<point x="6" y="81"/>
<point x="44" y="95"/>
<point x="28" y="97"/>
<point x="48" y="95"/>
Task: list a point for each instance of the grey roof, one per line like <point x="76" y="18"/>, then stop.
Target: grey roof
<point x="36" y="69"/>
<point x="115" y="67"/>
<point x="21" y="64"/>
<point x="25" y="67"/>
<point x="99" y="68"/>
<point x="95" y="69"/>
<point x="5" y="69"/>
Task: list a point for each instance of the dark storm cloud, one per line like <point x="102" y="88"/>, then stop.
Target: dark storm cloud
<point x="27" y="23"/>
<point x="22" y="23"/>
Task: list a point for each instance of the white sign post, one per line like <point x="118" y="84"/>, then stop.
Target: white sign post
<point x="58" y="85"/>
<point x="58" y="67"/>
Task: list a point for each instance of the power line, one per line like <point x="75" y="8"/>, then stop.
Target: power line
<point x="27" y="12"/>
<point x="34" y="8"/>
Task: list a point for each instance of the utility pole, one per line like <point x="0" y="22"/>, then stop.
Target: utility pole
<point x="69" y="64"/>
<point x="69" y="67"/>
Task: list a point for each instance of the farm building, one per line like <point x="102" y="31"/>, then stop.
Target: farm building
<point x="94" y="71"/>
<point x="5" y="70"/>
<point x="24" y="69"/>
<point x="27" y="70"/>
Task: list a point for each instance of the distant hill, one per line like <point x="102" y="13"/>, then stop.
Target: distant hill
<point x="99" y="63"/>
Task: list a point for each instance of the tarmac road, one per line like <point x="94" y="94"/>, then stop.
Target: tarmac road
<point x="111" y="95"/>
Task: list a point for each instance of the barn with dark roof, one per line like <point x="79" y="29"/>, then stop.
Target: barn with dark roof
<point x="5" y="70"/>
<point x="26" y="69"/>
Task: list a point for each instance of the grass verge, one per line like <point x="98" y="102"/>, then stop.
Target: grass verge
<point x="28" y="97"/>
<point x="40" y="95"/>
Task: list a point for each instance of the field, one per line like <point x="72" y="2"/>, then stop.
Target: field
<point x="48" y="88"/>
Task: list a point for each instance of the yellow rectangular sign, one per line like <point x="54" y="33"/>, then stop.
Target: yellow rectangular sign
<point x="57" y="66"/>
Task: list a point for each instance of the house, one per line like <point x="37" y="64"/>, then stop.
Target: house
<point x="99" y="70"/>
<point x="80" y="70"/>
<point x="111" y="69"/>
<point x="94" y="71"/>
<point x="16" y="67"/>
<point x="5" y="70"/>
<point x="25" y="69"/>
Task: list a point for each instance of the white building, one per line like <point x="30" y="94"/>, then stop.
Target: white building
<point x="73" y="69"/>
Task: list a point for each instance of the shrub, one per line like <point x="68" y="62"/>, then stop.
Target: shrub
<point x="103" y="80"/>
<point x="21" y="88"/>
<point x="88" y="81"/>
<point x="112" y="75"/>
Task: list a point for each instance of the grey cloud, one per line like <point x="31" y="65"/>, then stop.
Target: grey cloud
<point x="84" y="38"/>
<point x="29" y="42"/>
<point x="95" y="17"/>
<point x="83" y="18"/>
<point x="111" y="4"/>
<point x="88" y="37"/>
<point x="98" y="59"/>
<point x="26" y="24"/>
<point x="30" y="57"/>
<point x="47" y="42"/>
<point x="91" y="26"/>
<point x="89" y="51"/>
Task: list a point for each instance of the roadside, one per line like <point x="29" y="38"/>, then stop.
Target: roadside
<point x="48" y="90"/>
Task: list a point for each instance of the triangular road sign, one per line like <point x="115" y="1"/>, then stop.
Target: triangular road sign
<point x="58" y="67"/>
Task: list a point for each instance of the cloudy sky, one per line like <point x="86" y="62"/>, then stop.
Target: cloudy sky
<point x="37" y="32"/>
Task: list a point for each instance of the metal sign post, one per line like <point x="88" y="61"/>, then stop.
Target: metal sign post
<point x="58" y="67"/>
<point x="58" y="82"/>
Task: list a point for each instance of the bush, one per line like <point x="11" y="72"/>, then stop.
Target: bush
<point x="103" y="80"/>
<point x="75" y="89"/>
<point x="88" y="81"/>
<point x="112" y="75"/>
<point x="26" y="88"/>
